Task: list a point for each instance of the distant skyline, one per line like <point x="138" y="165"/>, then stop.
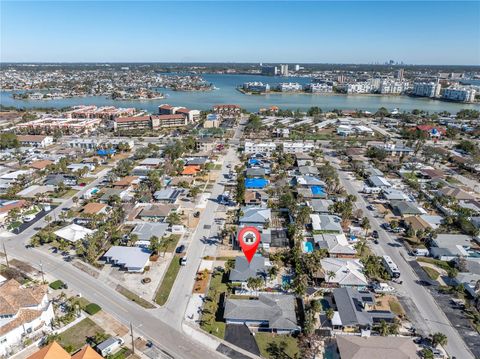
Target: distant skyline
<point x="435" y="33"/>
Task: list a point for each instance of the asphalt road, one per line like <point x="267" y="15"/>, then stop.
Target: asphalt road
<point x="424" y="311"/>
<point x="151" y="324"/>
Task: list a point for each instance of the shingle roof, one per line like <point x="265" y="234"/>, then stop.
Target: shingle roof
<point x="354" y="347"/>
<point x="244" y="270"/>
<point x="276" y="309"/>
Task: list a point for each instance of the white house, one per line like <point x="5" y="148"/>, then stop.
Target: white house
<point x="73" y="232"/>
<point x="24" y="312"/>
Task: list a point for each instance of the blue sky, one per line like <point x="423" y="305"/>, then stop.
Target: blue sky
<point x="323" y="32"/>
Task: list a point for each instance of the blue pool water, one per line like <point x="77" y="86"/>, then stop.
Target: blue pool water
<point x="255" y="182"/>
<point x="317" y="190"/>
<point x="286" y="279"/>
<point x="308" y="247"/>
<point x="95" y="190"/>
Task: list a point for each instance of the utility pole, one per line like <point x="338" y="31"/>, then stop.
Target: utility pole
<point x="41" y="271"/>
<point x="5" y="252"/>
<point x="131" y="334"/>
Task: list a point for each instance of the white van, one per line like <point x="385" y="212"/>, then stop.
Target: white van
<point x="421" y="252"/>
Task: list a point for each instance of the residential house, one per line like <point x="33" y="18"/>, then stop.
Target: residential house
<point x="455" y="192"/>
<point x="168" y="194"/>
<point x="406" y="208"/>
<point x="127" y="182"/>
<point x="7" y="205"/>
<point x="191" y="170"/>
<point x="255" y="216"/>
<point x="55" y="351"/>
<point x="343" y="272"/>
<point x="24" y="312"/>
<point x="40" y="165"/>
<point x="320" y="206"/>
<point x="379" y="182"/>
<point x="56" y="179"/>
<point x="73" y="233"/>
<point x="132" y="259"/>
<point x="242" y="271"/>
<point x="271" y="312"/>
<point x="152" y="162"/>
<point x="336" y="244"/>
<point x="392" y="347"/>
<point x="326" y="223"/>
<point x="94" y="208"/>
<point x="255" y="198"/>
<point x="355" y="310"/>
<point x="447" y="247"/>
<point x="156" y="212"/>
<point x="146" y="230"/>
<point x="110" y="193"/>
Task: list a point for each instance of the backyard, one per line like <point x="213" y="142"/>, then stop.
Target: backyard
<point x="274" y="345"/>
<point x="76" y="337"/>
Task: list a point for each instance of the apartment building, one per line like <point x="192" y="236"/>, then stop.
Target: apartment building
<point x="105" y="112"/>
<point x="65" y="125"/>
<point x="289" y="86"/>
<point x="165" y="121"/>
<point x="319" y="88"/>
<point x="132" y="123"/>
<point x="263" y="148"/>
<point x="459" y="94"/>
<point x="298" y="147"/>
<point x="227" y="111"/>
<point x="256" y="87"/>
<point x="35" y="140"/>
<point x="355" y="88"/>
<point x="166" y="109"/>
<point x="426" y="89"/>
<point x="392" y="87"/>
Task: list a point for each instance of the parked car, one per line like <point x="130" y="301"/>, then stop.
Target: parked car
<point x="28" y="218"/>
<point x="180" y="249"/>
<point x="196" y="214"/>
<point x="382" y="288"/>
<point x="375" y="234"/>
<point x="183" y="261"/>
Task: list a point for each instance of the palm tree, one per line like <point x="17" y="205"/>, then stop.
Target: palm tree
<point x="330" y="275"/>
<point x="383" y="328"/>
<point x="365" y="225"/>
<point x="438" y="338"/>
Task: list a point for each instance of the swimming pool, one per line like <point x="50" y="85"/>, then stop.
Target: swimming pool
<point x="307" y="247"/>
<point x="317" y="190"/>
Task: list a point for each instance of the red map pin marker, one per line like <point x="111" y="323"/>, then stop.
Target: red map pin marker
<point x="249" y="239"/>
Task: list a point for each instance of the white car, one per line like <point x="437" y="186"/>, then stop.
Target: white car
<point x="183" y="261"/>
<point x="382" y="288"/>
<point x="28" y="218"/>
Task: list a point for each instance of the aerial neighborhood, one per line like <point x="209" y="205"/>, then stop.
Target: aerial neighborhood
<point x="122" y="232"/>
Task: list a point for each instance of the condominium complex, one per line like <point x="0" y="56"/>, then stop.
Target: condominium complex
<point x="105" y="112"/>
<point x="426" y="89"/>
<point x="65" y="125"/>
<point x="289" y="86"/>
<point x="256" y="87"/>
<point x="150" y="122"/>
<point x="319" y="88"/>
<point x="462" y="94"/>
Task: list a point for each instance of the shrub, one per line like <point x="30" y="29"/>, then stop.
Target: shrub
<point x="92" y="308"/>
<point x="58" y="284"/>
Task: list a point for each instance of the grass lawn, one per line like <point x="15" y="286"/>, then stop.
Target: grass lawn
<point x="74" y="338"/>
<point x="133" y="297"/>
<point x="86" y="180"/>
<point x="98" y="169"/>
<point x="440" y="264"/>
<point x="218" y="167"/>
<point x="432" y="273"/>
<point x="395" y="307"/>
<point x="172" y="244"/>
<point x="168" y="280"/>
<point x="211" y="321"/>
<point x="271" y="345"/>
